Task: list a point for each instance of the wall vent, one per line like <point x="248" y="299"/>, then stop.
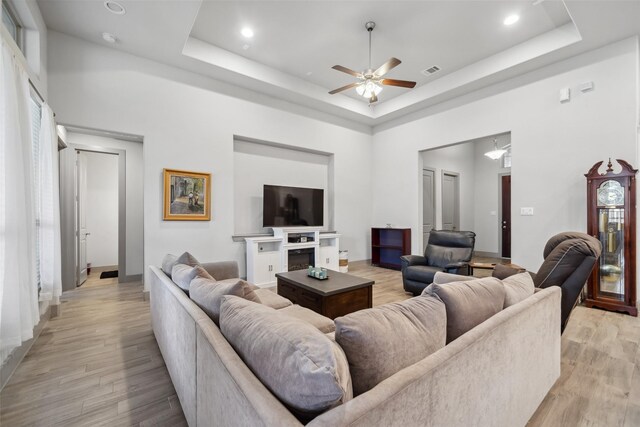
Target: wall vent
<point x="431" y="70"/>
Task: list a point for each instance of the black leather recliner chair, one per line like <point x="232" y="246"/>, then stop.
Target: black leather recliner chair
<point x="569" y="259"/>
<point x="448" y="251"/>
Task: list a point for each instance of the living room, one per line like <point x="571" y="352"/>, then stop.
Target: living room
<point x="192" y="100"/>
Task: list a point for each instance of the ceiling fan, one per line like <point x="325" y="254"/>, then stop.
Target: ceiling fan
<point x="370" y="82"/>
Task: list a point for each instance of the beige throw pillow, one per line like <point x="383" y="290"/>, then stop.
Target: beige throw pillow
<point x="183" y="274"/>
<point x="468" y="303"/>
<point x="383" y="340"/>
<point x="517" y="288"/>
<point x="299" y="364"/>
<point x="207" y="294"/>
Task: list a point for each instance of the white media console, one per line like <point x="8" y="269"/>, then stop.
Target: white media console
<point x="269" y="255"/>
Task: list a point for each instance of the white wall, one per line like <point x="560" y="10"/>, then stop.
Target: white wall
<point x="258" y="164"/>
<point x="553" y="144"/>
<point x="134" y="247"/>
<point x="102" y="209"/>
<point x="459" y="159"/>
<point x="181" y="113"/>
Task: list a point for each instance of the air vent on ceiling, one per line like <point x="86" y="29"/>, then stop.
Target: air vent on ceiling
<point x="431" y="70"/>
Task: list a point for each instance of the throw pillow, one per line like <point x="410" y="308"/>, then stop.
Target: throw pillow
<point x="207" y="294"/>
<point x="168" y="262"/>
<point x="383" y="340"/>
<point x="183" y="274"/>
<point x="468" y="303"/>
<point x="517" y="288"/>
<point x="301" y="366"/>
<point x="502" y="271"/>
<point x="187" y="258"/>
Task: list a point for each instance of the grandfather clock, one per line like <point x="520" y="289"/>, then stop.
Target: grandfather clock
<point x="611" y="218"/>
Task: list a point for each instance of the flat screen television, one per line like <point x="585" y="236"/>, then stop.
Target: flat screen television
<point x="292" y="206"/>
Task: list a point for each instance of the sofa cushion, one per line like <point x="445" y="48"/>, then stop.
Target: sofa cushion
<point x="468" y="303"/>
<point x="183" y="274"/>
<point x="383" y="340"/>
<point x="168" y="262"/>
<point x="299" y="364"/>
<point x="207" y="294"/>
<point x="441" y="278"/>
<point x="187" y="258"/>
<point x="517" y="288"/>
<point x="324" y="324"/>
<point x="271" y="299"/>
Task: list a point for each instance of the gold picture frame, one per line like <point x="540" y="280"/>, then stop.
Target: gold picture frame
<point x="187" y="195"/>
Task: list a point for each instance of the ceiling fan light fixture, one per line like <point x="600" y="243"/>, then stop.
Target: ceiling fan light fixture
<point x="368" y="88"/>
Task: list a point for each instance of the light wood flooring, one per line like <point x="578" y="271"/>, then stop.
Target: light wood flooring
<point x="98" y="364"/>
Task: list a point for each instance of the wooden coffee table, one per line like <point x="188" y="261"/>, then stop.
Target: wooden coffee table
<point x="340" y="294"/>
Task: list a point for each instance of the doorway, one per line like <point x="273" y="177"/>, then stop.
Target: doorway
<point x="450" y="201"/>
<point x="428" y="204"/>
<point x="505" y="216"/>
<point x="97" y="206"/>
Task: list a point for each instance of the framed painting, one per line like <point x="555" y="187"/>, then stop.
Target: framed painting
<point x="187" y="196"/>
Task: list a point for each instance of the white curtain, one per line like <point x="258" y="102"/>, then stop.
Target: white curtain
<point x="50" y="247"/>
<point x="18" y="291"/>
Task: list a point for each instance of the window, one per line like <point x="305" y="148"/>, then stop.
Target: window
<point x="36" y="115"/>
<point x="12" y="24"/>
<point x="506" y="159"/>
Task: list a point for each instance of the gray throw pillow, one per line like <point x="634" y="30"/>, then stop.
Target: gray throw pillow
<point x="168" y="262"/>
<point x="207" y="294"/>
<point x="188" y="259"/>
<point x="383" y="340"/>
<point x="468" y="303"/>
<point x="301" y="366"/>
<point x="517" y="288"/>
<point x="183" y="274"/>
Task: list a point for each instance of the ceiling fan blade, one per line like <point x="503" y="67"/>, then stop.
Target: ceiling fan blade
<point x="347" y="70"/>
<point x="387" y="66"/>
<point x="401" y="83"/>
<point x="343" y="88"/>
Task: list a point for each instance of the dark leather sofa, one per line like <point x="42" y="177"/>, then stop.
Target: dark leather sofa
<point x="448" y="251"/>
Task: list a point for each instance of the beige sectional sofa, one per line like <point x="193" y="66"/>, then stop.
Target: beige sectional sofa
<point x="493" y="375"/>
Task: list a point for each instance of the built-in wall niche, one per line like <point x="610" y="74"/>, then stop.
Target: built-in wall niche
<point x="257" y="163"/>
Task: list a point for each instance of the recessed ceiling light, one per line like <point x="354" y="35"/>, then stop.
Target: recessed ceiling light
<point x="247" y="32"/>
<point x="109" y="38"/>
<point x="114" y="7"/>
<point x="511" y="19"/>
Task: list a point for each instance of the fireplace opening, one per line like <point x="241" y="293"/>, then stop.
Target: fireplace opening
<point x="301" y="259"/>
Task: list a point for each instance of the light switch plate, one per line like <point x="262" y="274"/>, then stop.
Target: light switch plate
<point x="565" y="94"/>
<point x="526" y="211"/>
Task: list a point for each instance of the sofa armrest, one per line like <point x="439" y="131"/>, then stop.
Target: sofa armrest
<point x="222" y="270"/>
<point x="409" y="260"/>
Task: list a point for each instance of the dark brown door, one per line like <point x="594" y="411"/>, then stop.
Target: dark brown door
<point x="506" y="216"/>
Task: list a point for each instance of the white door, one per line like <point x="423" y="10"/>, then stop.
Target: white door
<point x="450" y="201"/>
<point x="81" y="217"/>
<point x="428" y="204"/>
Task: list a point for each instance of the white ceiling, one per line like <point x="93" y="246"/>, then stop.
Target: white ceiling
<point x="297" y="42"/>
